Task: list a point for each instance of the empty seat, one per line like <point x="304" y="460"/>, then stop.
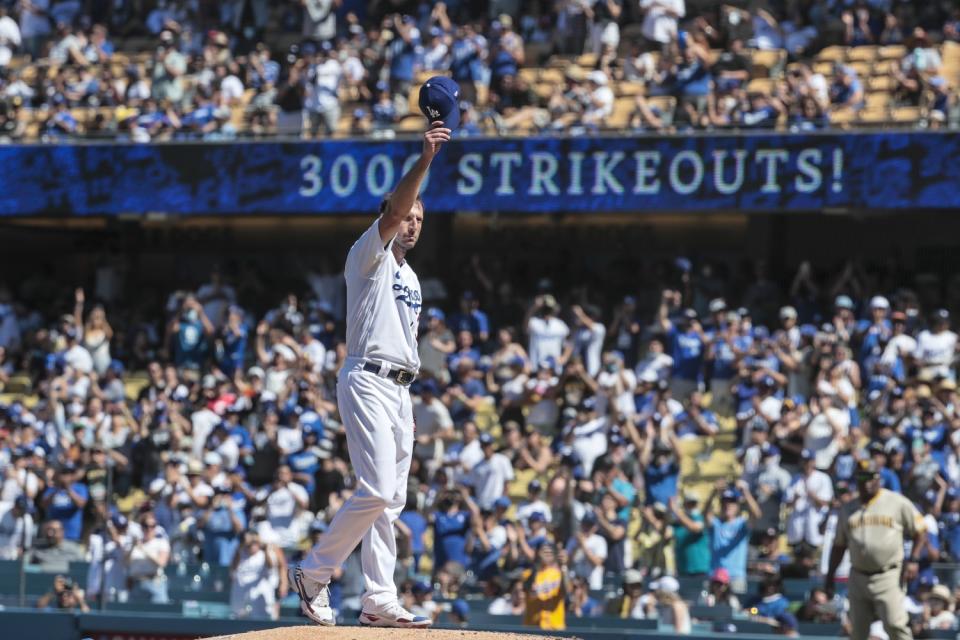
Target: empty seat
<point x="865" y="53"/>
<point x="891" y="52"/>
<point x="835" y="53"/>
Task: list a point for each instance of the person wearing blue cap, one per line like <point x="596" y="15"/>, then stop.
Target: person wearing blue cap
<point x="730" y="530"/>
<point x="687" y="345"/>
<point x="383" y="307"/>
<point x="534" y="503"/>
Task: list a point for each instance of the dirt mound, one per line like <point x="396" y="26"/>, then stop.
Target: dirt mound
<point x="361" y="633"/>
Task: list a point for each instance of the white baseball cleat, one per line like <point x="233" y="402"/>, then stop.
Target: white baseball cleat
<point x="393" y="615"/>
<point x="314" y="598"/>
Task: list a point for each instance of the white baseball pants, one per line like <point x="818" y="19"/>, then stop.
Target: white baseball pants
<point x="378" y="420"/>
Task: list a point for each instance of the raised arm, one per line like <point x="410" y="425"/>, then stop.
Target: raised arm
<point x="398" y="206"/>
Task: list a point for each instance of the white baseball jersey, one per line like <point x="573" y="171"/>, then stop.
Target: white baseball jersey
<point x="383" y="303"/>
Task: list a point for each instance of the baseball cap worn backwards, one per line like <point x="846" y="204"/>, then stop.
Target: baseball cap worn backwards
<point x="439" y="100"/>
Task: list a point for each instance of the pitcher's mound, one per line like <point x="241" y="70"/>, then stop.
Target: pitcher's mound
<point x="365" y="633"/>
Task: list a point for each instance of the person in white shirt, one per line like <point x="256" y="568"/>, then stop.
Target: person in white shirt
<point x="147" y="559"/>
<point x="588" y="338"/>
<point x="9" y="37"/>
<point x="937" y="347"/>
<point x="660" y="19"/>
<point x="808" y="499"/>
<point x="384" y="301"/>
<point x="828" y="422"/>
<point x="286" y="501"/>
<point x="547" y="332"/>
<point x="601" y="99"/>
<point x="587" y="551"/>
<point x="106" y="552"/>
<point x="434" y="424"/>
<point x="490" y="476"/>
<point x="321" y="107"/>
<point x="16" y="528"/>
<point x="656" y="364"/>
<point x="253" y="572"/>
<point x="616" y="386"/>
<point x="533" y="504"/>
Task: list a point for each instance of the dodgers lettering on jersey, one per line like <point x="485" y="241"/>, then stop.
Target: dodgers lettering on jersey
<point x="383" y="303"/>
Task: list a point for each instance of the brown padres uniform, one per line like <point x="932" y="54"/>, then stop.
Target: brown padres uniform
<point x="874" y="533"/>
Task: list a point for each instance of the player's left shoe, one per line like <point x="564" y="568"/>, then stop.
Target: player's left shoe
<point x="393" y="615"/>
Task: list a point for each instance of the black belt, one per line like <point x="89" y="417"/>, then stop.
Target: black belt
<point x="398" y="375"/>
<point x="876" y="573"/>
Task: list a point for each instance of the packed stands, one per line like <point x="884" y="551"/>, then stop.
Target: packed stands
<point x="174" y="71"/>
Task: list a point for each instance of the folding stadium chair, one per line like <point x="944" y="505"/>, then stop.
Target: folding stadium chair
<point x="843" y="116"/>
<point x="761" y="85"/>
<point x="892" y="52"/>
<point x="587" y="60"/>
<point x="629" y="88"/>
<point x="863" y="69"/>
<point x="905" y="115"/>
<point x="877" y="99"/>
<point x="864" y="53"/>
<point x="873" y="117"/>
<point x="835" y="53"/>
<point x="768" y="63"/>
<point x="884" y="84"/>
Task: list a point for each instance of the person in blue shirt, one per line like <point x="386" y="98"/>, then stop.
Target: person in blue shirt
<point x="888" y="479"/>
<point x="948" y="520"/>
<point x="686" y="342"/>
<point x="416" y="527"/>
<point x="846" y="90"/>
<point x="222" y="523"/>
<point x="660" y="472"/>
<point x="466" y="61"/>
<point x="696" y="419"/>
<point x="471" y="318"/>
<point x="730" y="530"/>
<point x="507" y="53"/>
<point x="65" y="501"/>
<point x="306" y="462"/>
<point x="451" y="524"/>
<point x="232" y="343"/>
<point x="402" y="53"/>
<point x="465" y="351"/>
<point x="771" y="603"/>
<point x="188" y="334"/>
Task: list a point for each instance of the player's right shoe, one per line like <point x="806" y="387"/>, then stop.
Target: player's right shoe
<point x="393" y="615"/>
<point x="314" y="598"/>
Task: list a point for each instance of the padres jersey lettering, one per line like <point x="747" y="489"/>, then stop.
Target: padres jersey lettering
<point x="874" y="531"/>
<point x="383" y="303"/>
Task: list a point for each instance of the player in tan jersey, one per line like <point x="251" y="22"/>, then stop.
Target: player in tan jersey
<point x="873" y="528"/>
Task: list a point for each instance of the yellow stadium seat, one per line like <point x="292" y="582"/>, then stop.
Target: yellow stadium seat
<point x="587" y="60"/>
<point x="835" y="53"/>
<point x="905" y="114"/>
<point x="863" y="69"/>
<point x="823" y="68"/>
<point x="18" y="383"/>
<point x="761" y="85"/>
<point x="530" y="75"/>
<point x="412" y="122"/>
<point x="877" y="99"/>
<point x="866" y="53"/>
<point x="872" y="116"/>
<point x="842" y="116"/>
<point x="553" y="76"/>
<point x="892" y="52"/>
<point x="622" y="110"/>
<point x="629" y="88"/>
<point x="413" y="100"/>
<point x="544" y="89"/>
<point x="882" y="83"/>
<point x="768" y="62"/>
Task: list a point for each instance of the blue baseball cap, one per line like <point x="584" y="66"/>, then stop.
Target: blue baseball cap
<point x="503" y="502"/>
<point x="730" y="495"/>
<point x="486" y="439"/>
<point x="439" y="100"/>
<point x="433" y="312"/>
<point x="537" y="516"/>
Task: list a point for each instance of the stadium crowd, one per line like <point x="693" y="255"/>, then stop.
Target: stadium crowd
<point x="143" y="70"/>
<point x="569" y="447"/>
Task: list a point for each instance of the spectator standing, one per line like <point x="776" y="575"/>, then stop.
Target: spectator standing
<point x="660" y="18"/>
<point x="65" y="501"/>
<point x="547" y="332"/>
<point x="809" y="498"/>
<point x="320" y="20"/>
<point x="588" y="550"/>
<point x="546" y="588"/>
<point x="34" y="25"/>
<point x="604" y="28"/>
<point x="730" y="531"/>
<point x="321" y="105"/>
<point x="255" y="570"/>
<point x="490" y="476"/>
<point x="16" y="528"/>
<point x="691" y="539"/>
<point x="146" y="561"/>
<point x="168" y="70"/>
